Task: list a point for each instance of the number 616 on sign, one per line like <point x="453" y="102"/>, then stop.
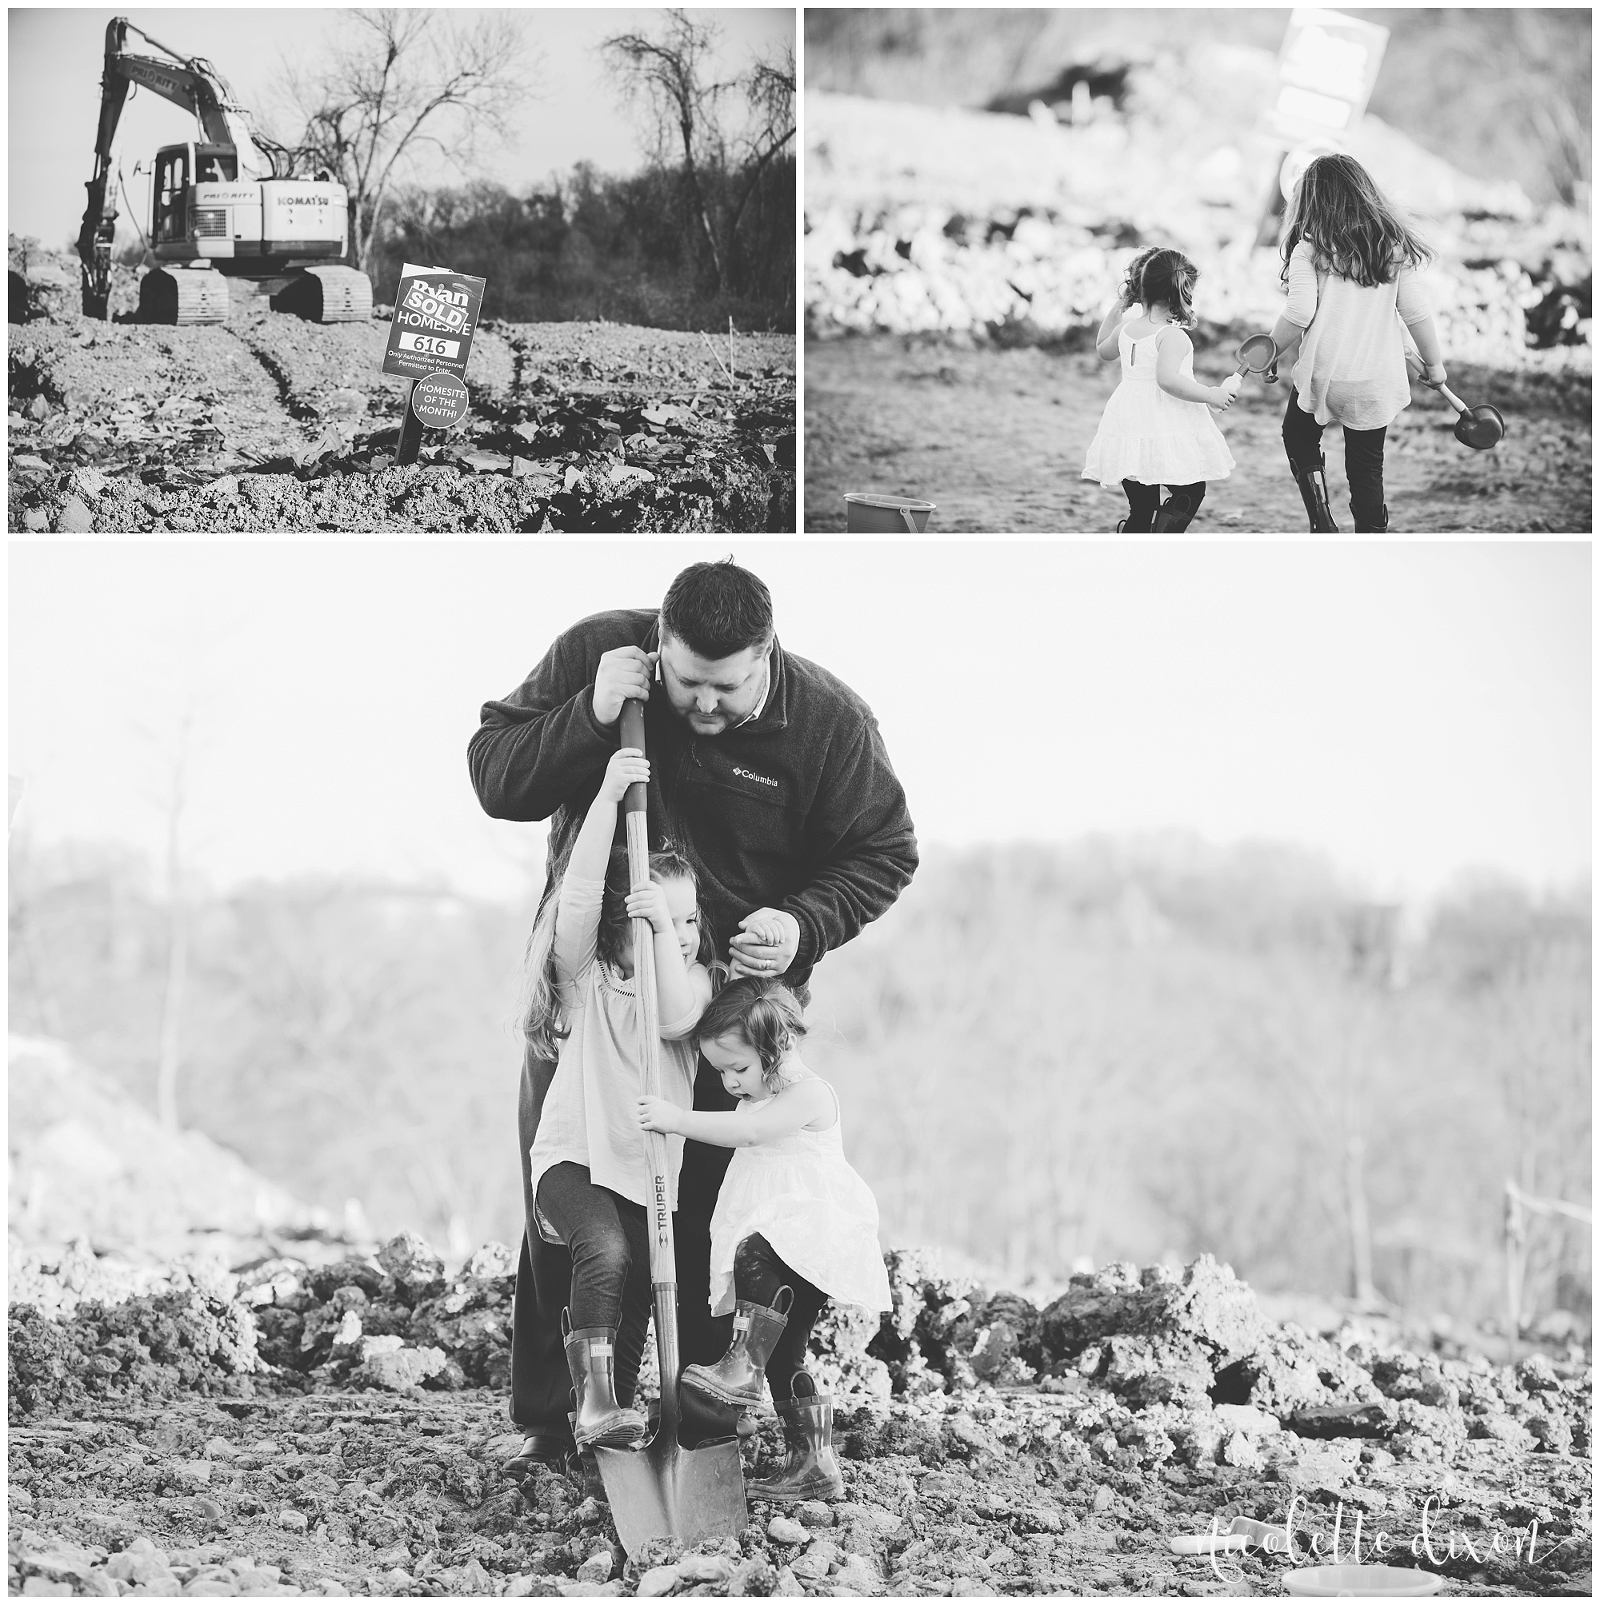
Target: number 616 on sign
<point x="429" y="344"/>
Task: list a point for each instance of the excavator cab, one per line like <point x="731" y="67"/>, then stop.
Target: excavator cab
<point x="180" y="213"/>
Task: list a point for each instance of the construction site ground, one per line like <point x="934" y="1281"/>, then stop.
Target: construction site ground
<point x="339" y="1428"/>
<point x="996" y="437"/>
<point x="272" y="423"/>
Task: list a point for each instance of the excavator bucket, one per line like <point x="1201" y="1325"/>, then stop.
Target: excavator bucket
<point x="183" y="296"/>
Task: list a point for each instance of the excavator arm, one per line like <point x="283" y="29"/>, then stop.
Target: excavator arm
<point x="190" y="82"/>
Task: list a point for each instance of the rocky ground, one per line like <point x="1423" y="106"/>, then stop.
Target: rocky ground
<point x="996" y="436"/>
<point x="271" y="423"/>
<point x="337" y="1428"/>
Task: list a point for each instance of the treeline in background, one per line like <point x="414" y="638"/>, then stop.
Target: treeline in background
<point x="1047" y="1056"/>
<point x="592" y="245"/>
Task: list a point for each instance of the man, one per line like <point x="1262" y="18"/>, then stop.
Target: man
<point x="771" y="777"/>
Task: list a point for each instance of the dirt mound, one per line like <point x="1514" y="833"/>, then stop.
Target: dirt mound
<point x="989" y="1447"/>
<point x="272" y="423"/>
<point x="88" y="1162"/>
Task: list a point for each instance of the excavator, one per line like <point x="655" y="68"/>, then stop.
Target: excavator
<point x="228" y="206"/>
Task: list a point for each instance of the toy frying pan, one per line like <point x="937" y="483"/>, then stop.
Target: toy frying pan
<point x="1256" y="354"/>
<point x="1479" y="427"/>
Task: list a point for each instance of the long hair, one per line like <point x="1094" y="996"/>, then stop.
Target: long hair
<point x="542" y="1024"/>
<point x="763" y="1013"/>
<point x="1353" y="229"/>
<point x="1164" y="275"/>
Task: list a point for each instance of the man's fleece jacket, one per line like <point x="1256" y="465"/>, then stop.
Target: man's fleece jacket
<point x="797" y="809"/>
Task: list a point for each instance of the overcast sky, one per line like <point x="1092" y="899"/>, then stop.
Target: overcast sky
<point x="56" y="56"/>
<point x="1411" y="709"/>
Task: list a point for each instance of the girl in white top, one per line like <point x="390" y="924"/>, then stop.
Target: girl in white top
<point x="1350" y="267"/>
<point x="589" y="1176"/>
<point x="1157" y="428"/>
<point x="794" y="1224"/>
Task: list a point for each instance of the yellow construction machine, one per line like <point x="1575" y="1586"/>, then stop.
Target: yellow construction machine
<point x="228" y="206"/>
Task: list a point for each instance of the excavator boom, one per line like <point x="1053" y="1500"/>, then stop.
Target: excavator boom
<point x="190" y="82"/>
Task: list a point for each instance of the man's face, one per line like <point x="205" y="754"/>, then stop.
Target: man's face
<point x="710" y="694"/>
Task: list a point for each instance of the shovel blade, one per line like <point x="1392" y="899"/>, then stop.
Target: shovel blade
<point x="667" y="1491"/>
<point x="1480" y="427"/>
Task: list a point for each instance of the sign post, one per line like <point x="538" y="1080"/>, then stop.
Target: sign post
<point x="1326" y="70"/>
<point x="436" y="313"/>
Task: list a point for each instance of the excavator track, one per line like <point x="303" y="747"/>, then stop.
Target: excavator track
<point x="185" y="296"/>
<point x="328" y="295"/>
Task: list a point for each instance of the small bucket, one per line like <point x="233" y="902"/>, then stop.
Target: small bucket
<point x="886" y="515"/>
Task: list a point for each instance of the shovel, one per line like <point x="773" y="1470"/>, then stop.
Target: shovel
<point x="1479" y="427"/>
<point x="1256" y="354"/>
<point x="663" y="1490"/>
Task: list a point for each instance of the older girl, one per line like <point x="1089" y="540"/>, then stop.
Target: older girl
<point x="1350" y="265"/>
<point x="589" y="1176"/>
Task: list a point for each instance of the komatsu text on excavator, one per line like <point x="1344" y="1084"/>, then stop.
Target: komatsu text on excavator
<point x="230" y="204"/>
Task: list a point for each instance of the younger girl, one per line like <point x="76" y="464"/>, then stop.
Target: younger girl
<point x="1156" y="430"/>
<point x="794" y="1224"/>
<point x="1349" y="265"/>
<point x="589" y="1177"/>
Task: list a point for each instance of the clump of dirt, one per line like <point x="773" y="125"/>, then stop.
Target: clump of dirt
<point x="272" y="423"/>
<point x="339" y="1429"/>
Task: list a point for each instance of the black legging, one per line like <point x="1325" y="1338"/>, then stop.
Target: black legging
<point x="608" y="1239"/>
<point x="1363" y="460"/>
<point x="1144" y="501"/>
<point x="539" y="1378"/>
<point x="758" y="1274"/>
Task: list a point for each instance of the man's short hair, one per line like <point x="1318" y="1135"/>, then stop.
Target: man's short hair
<point x="718" y="610"/>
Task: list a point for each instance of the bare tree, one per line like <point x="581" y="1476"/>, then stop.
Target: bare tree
<point x="724" y="134"/>
<point x="408" y="80"/>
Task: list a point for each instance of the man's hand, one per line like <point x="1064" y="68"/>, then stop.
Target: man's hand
<point x="656" y="1114"/>
<point x="767" y="944"/>
<point x="625" y="672"/>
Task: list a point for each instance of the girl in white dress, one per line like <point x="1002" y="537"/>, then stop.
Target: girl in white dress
<point x="1351" y="270"/>
<point x="794" y="1225"/>
<point x="1157" y="429"/>
<point x="588" y="1172"/>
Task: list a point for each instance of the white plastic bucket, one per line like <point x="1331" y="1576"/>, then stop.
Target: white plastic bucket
<point x="870" y="514"/>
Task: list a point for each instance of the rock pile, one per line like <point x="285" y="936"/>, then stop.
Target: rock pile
<point x="927" y="220"/>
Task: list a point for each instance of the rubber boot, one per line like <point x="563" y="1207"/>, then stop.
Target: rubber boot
<point x="543" y="1446"/>
<point x="1379" y="528"/>
<point x="810" y="1470"/>
<point x="1173" y="516"/>
<point x="600" y="1420"/>
<point x="1314" y="493"/>
<point x="739" y="1377"/>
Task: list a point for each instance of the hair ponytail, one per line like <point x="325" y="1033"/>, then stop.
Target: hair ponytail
<point x="761" y="1011"/>
<point x="1162" y="275"/>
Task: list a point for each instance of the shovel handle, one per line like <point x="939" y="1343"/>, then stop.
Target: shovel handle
<point x="663" y="1259"/>
<point x="1415" y="363"/>
<point x="1454" y="400"/>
